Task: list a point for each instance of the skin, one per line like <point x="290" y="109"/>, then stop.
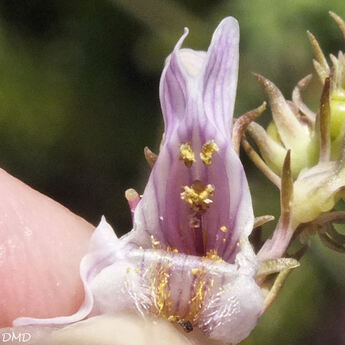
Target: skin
<point x="41" y="245"/>
<point x="125" y="329"/>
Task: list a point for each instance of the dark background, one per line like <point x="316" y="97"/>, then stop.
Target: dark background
<point x="79" y="101"/>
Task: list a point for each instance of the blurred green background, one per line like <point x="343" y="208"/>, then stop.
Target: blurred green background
<point x="79" y="101"/>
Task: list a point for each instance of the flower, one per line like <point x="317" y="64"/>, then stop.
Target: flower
<point x="188" y="258"/>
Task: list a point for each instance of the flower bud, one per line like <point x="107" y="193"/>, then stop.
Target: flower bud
<point x="289" y="130"/>
<point x="295" y="127"/>
<point x="308" y="147"/>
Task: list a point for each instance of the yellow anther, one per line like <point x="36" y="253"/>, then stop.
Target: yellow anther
<point x="198" y="196"/>
<point x="207" y="151"/>
<point x="213" y="255"/>
<point x="223" y="228"/>
<point x="187" y="154"/>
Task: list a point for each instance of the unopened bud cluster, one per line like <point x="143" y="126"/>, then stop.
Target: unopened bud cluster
<point x="313" y="141"/>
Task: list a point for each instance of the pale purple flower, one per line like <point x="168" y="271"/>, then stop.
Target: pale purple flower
<point x="188" y="258"/>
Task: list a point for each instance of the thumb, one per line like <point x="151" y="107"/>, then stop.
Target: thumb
<point x="41" y="245"/>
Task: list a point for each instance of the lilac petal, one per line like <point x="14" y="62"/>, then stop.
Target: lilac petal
<point x="232" y="313"/>
<point x="173" y="87"/>
<point x="197" y="95"/>
<point x="231" y="300"/>
<point x="220" y="76"/>
<point x="192" y="61"/>
<point x="119" y="279"/>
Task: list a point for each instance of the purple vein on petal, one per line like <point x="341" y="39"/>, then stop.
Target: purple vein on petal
<point x="197" y="108"/>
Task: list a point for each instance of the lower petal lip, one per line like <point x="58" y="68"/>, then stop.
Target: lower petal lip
<point x="120" y="278"/>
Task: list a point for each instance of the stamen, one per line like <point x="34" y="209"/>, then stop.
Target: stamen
<point x="207" y="151"/>
<point x="187" y="154"/>
<point x="198" y="196"/>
